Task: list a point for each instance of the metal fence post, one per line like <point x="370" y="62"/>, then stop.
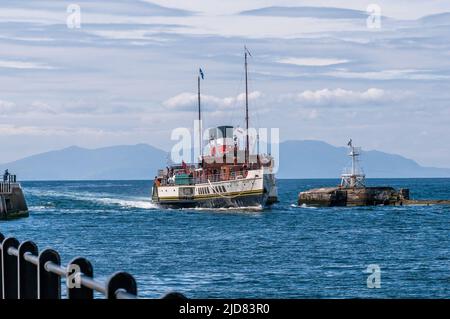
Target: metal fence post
<point x="26" y="275"/>
<point x="28" y="272"/>
<point x="1" y="265"/>
<point x="10" y="273"/>
<point x="174" y="296"/>
<point x="49" y="284"/>
<point x="120" y="280"/>
<point x="74" y="291"/>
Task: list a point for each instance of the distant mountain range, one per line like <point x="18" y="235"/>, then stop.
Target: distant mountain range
<point x="298" y="159"/>
<point x="315" y="159"/>
<point x="139" y="161"/>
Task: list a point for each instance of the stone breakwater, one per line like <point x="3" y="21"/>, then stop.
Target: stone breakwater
<point x="362" y="196"/>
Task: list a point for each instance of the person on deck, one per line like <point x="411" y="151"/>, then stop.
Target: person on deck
<point x="6" y="175"/>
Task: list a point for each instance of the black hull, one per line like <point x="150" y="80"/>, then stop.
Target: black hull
<point x="248" y="202"/>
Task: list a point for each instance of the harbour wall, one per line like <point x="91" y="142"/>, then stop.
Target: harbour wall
<point x="12" y="201"/>
<point x="363" y="196"/>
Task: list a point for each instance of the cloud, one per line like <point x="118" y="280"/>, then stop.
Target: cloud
<point x="339" y="97"/>
<point x="12" y="130"/>
<point x="6" y="107"/>
<point x="405" y="74"/>
<point x="308" y="12"/>
<point x="24" y="65"/>
<point x="146" y="32"/>
<point x="311" y="61"/>
<point x="91" y="107"/>
<point x="188" y="101"/>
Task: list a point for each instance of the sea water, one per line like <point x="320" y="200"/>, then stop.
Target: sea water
<point x="283" y="252"/>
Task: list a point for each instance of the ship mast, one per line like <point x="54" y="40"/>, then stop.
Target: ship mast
<point x="200" y="74"/>
<point x="247" y="146"/>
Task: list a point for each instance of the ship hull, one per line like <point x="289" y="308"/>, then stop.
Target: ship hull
<point x="256" y="191"/>
<point x="242" y="201"/>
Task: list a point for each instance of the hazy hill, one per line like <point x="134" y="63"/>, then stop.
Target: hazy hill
<point x="117" y="162"/>
<point x="315" y="159"/>
<point x="298" y="159"/>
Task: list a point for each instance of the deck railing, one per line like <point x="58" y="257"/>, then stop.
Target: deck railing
<point x="27" y="274"/>
<point x="205" y="179"/>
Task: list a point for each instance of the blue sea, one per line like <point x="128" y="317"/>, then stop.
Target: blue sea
<point x="283" y="252"/>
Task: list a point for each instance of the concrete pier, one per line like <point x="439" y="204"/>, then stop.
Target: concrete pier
<point x="353" y="191"/>
<point x="361" y="196"/>
<point x="358" y="196"/>
<point x="12" y="200"/>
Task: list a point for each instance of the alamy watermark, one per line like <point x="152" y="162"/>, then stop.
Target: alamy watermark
<point x="73" y="20"/>
<point x="225" y="145"/>
<point x="374" y="19"/>
<point x="374" y="278"/>
<point x="73" y="279"/>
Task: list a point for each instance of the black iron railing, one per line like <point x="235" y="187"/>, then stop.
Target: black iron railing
<point x="27" y="274"/>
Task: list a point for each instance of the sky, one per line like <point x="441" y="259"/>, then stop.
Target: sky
<point x="125" y="72"/>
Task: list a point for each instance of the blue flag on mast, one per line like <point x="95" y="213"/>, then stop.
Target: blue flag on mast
<point x="201" y="73"/>
<point x="246" y="50"/>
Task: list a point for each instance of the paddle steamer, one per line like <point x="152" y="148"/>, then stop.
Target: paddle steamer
<point x="226" y="177"/>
